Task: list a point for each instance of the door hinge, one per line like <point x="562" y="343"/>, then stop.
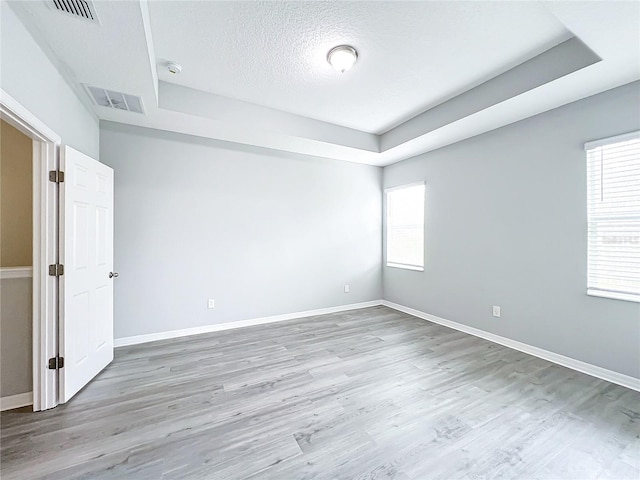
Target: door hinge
<point x="56" y="270"/>
<point x="56" y="176"/>
<point x="56" y="363"/>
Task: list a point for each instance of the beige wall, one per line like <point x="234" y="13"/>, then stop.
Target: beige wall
<point x="16" y="193"/>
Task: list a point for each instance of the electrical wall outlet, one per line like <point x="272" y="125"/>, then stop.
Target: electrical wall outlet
<point x="496" y="311"/>
<point x="212" y="303"/>
<point x="346" y="289"/>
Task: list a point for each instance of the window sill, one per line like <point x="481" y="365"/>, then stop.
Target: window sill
<point x="614" y="296"/>
<point x="405" y="267"/>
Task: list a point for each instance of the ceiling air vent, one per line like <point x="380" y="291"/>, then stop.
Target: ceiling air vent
<point x="117" y="100"/>
<point x="78" y="8"/>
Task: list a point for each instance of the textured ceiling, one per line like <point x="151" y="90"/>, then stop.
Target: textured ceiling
<point x="413" y="55"/>
<point x="430" y="73"/>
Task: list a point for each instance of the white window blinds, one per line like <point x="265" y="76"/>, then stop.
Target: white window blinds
<point x="613" y="205"/>
<point x="405" y="226"/>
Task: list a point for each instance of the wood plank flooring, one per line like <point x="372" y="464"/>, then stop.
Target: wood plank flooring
<point x="366" y="394"/>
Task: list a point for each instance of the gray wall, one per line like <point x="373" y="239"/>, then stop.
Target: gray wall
<point x="16" y="373"/>
<point x="506" y="225"/>
<point x="28" y="76"/>
<point x="261" y="232"/>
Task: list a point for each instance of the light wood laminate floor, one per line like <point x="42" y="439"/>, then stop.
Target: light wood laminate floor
<point x="366" y="394"/>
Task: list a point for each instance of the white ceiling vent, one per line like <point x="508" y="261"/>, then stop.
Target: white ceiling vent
<point x="78" y="8"/>
<point x="117" y="100"/>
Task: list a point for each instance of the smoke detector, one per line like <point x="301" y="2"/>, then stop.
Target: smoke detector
<point x="84" y="9"/>
<point x="118" y="100"/>
<point x="174" y="68"/>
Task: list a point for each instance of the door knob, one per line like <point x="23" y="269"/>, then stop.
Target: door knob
<point x="114" y="274"/>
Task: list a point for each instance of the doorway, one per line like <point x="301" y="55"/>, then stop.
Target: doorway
<point x="72" y="261"/>
<point x="44" y="252"/>
<point x="16" y="246"/>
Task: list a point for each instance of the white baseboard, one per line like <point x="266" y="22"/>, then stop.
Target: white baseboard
<point x="593" y="370"/>
<point x="152" y="337"/>
<point x="16" y="401"/>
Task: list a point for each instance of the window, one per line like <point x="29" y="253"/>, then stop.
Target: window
<point x="405" y="226"/>
<point x="613" y="205"/>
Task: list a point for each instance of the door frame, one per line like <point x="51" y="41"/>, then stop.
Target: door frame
<point x="46" y="146"/>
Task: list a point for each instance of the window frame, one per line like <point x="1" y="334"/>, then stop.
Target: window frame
<point x="402" y="266"/>
<point x="591" y="291"/>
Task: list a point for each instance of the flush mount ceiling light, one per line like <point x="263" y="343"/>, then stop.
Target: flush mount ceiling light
<point x="342" y="57"/>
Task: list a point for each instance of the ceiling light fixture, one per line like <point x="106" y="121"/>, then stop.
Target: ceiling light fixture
<point x="342" y="57"/>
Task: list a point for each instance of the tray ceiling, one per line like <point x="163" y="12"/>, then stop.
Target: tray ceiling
<point x="428" y="73"/>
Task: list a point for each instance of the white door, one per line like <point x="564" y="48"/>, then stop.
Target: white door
<point x="86" y="286"/>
